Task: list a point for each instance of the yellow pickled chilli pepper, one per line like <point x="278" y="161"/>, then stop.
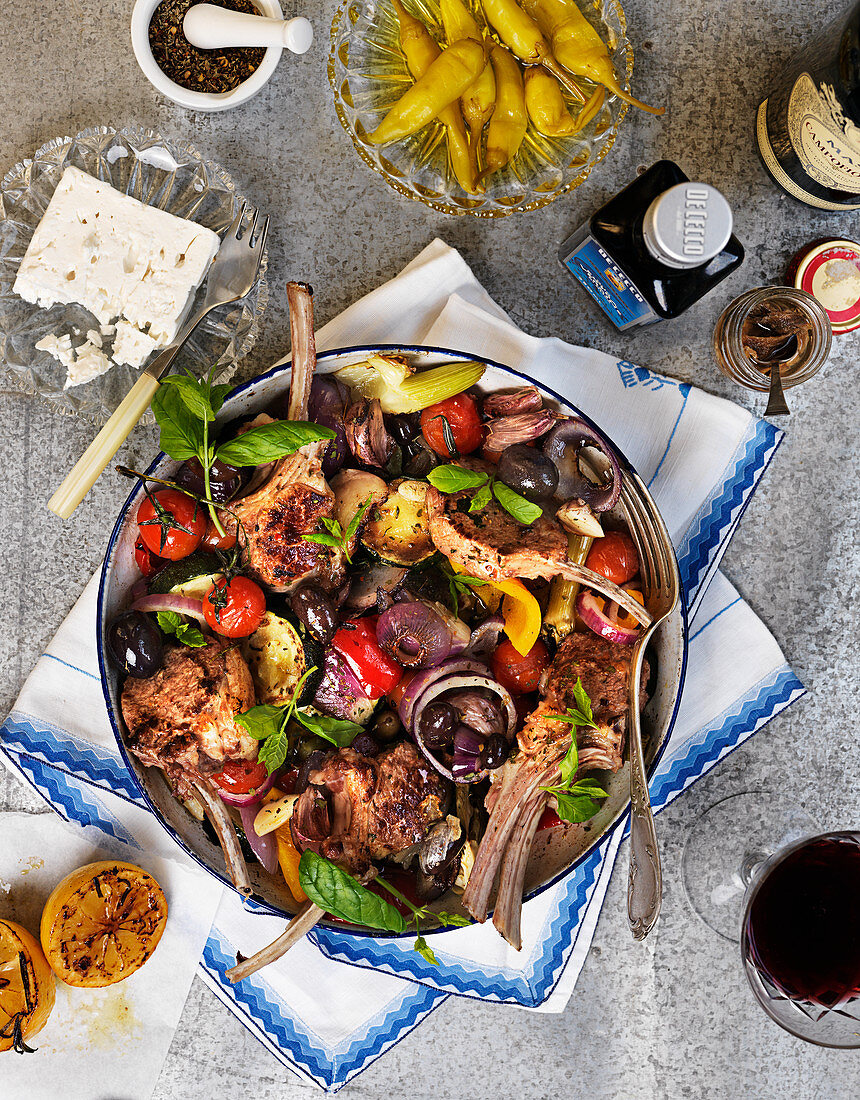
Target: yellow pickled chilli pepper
<point x="578" y="46"/>
<point x="546" y="107"/>
<point x="523" y="36"/>
<point x="441" y="85"/>
<point x="509" y="122"/>
<point x="478" y="101"/>
<point x="420" y="50"/>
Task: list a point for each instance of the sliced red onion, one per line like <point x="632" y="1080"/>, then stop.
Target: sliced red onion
<point x="563" y="445"/>
<point x="326" y="406"/>
<point x="604" y="623"/>
<point x="414" y="635"/>
<point x="527" y="399"/>
<point x="485" y="638"/>
<point x="182" y="605"/>
<point x="265" y="848"/>
<point x="466" y="767"/>
<point x="477" y="711"/>
<point x="425" y="678"/>
<point x="249" y="798"/>
<point x="504" y="431"/>
<point x="339" y="689"/>
<point x="460" y="633"/>
<point x="139" y="589"/>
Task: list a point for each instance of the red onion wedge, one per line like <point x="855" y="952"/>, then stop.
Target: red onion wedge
<point x="423" y="679"/>
<point x="414" y="635"/>
<point x="265" y="848"/>
<point x="589" y="607"/>
<point x="249" y="798"/>
<point x="182" y="605"/>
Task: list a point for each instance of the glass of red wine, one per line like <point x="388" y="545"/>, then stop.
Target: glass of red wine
<point x="794" y="905"/>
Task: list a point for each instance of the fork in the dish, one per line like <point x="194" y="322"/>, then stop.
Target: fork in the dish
<point x="231" y="276"/>
<point x="661" y="589"/>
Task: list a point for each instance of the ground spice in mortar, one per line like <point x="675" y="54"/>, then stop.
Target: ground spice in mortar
<point x="199" y="70"/>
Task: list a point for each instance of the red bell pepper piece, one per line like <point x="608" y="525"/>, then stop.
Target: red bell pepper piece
<point x="356" y="642"/>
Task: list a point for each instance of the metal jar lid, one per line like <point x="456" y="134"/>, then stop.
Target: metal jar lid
<point x="829" y="270"/>
<point x="687" y="225"/>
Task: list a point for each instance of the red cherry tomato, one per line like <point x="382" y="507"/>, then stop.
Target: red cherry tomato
<point x="356" y="642"/>
<point x="241" y="776"/>
<point x="148" y="563"/>
<point x="234" y="608"/>
<point x="549" y="820"/>
<point x="171" y="524"/>
<point x="456" y="421"/>
<point x="212" y="540"/>
<point x="519" y="674"/>
<point x="614" y="557"/>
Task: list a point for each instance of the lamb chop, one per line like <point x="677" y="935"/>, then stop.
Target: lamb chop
<point x="182" y="720"/>
<point x="516" y="801"/>
<point x="355" y="810"/>
<point x="492" y="545"/>
<point x="296" y="496"/>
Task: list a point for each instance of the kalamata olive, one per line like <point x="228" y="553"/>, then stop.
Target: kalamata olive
<point x="135" y="644"/>
<point x="528" y="472"/>
<point x="495" y="752"/>
<point x="316" y="611"/>
<point x="437" y="725"/>
<point x="365" y="745"/>
<point x="224" y="481"/>
<point x="403" y="427"/>
<point x="387" y="725"/>
<point x="307" y="743"/>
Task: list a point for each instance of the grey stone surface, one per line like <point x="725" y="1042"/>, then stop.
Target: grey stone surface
<point x="671" y="1018"/>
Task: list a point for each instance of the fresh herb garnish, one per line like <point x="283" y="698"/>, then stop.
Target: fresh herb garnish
<point x="171" y="622"/>
<point x="269" y="725"/>
<point x="453" y="479"/>
<point x="185" y="406"/>
<point x="576" y="798"/>
<point x="335" y="535"/>
<point x="458" y="583"/>
<point x="336" y="891"/>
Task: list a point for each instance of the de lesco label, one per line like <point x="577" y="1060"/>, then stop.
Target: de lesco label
<point x="608" y="285"/>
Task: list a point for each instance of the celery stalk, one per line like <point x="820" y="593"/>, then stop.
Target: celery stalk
<point x="436" y="384"/>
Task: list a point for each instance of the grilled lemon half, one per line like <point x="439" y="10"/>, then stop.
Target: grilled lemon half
<point x="27" y="987"/>
<point x="102" y="923"/>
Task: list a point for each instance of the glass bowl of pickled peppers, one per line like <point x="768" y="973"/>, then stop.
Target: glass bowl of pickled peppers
<point x="482" y="107"/>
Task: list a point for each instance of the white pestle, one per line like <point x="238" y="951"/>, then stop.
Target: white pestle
<point x="212" y="28"/>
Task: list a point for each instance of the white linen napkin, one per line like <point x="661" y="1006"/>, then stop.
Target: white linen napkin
<point x="702" y="457"/>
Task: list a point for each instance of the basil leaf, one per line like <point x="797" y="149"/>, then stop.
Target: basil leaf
<point x="273" y="751"/>
<point x="584" y="703"/>
<point x="425" y="950"/>
<point x="168" y="621"/>
<point x="575" y="808"/>
<point x="339" y="732"/>
<point x="261" y="722"/>
<point x="451" y="479"/>
<point x="322" y="540"/>
<point x="181" y="431"/>
<point x="570" y="762"/>
<point x="194" y="394"/>
<point x="217" y="396"/>
<point x="452" y="919"/>
<point x="356" y="520"/>
<point x="481" y="499"/>
<point x="591" y="787"/>
<point x="521" y="509"/>
<point x="191" y="636"/>
<point x="270" y="442"/>
<point x="332" y="526"/>
<point x="339" y="894"/>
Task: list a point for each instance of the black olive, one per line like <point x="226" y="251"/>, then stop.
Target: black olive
<point x="135" y="644"/>
<point x="403" y="427"/>
<point x="528" y="472"/>
<point x="365" y="745"/>
<point x="495" y="752"/>
<point x="315" y="610"/>
<point x="224" y="481"/>
<point x="437" y="725"/>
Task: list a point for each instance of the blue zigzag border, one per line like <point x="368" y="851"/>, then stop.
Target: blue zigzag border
<point x="330" y="1067"/>
<point x="535" y="983"/>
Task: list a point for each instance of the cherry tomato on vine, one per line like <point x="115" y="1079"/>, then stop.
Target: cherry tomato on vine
<point x="519" y="674"/>
<point x="453" y="427"/>
<point x="148" y="563"/>
<point x="212" y="540"/>
<point x="171" y="524"/>
<point x="234" y="608"/>
<point x="241" y="776"/>
<point x="614" y="557"/>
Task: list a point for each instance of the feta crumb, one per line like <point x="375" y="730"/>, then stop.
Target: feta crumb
<point x="58" y="346"/>
<point x="89" y="363"/>
<point x="95" y="337"/>
<point x="131" y="346"/>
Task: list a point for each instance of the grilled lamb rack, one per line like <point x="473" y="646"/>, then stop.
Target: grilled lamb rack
<point x="296" y="496"/>
<point x="491" y="544"/>
<point x="516" y="800"/>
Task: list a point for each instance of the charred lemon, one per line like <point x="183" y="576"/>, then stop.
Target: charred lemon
<point x="27" y="987"/>
<point x="102" y="923"/>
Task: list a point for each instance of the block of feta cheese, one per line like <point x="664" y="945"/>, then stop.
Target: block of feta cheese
<point x="117" y="257"/>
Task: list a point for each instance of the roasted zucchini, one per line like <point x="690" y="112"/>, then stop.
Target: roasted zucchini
<point x="397" y="530"/>
<point x="279" y="653"/>
<point x="192" y="576"/>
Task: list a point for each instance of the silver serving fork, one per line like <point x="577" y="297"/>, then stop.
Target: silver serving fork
<point x="231" y="276"/>
<point x="661" y="589"/>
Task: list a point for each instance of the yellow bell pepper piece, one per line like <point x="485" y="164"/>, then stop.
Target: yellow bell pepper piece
<point x="288" y="857"/>
<point x="520" y="610"/>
